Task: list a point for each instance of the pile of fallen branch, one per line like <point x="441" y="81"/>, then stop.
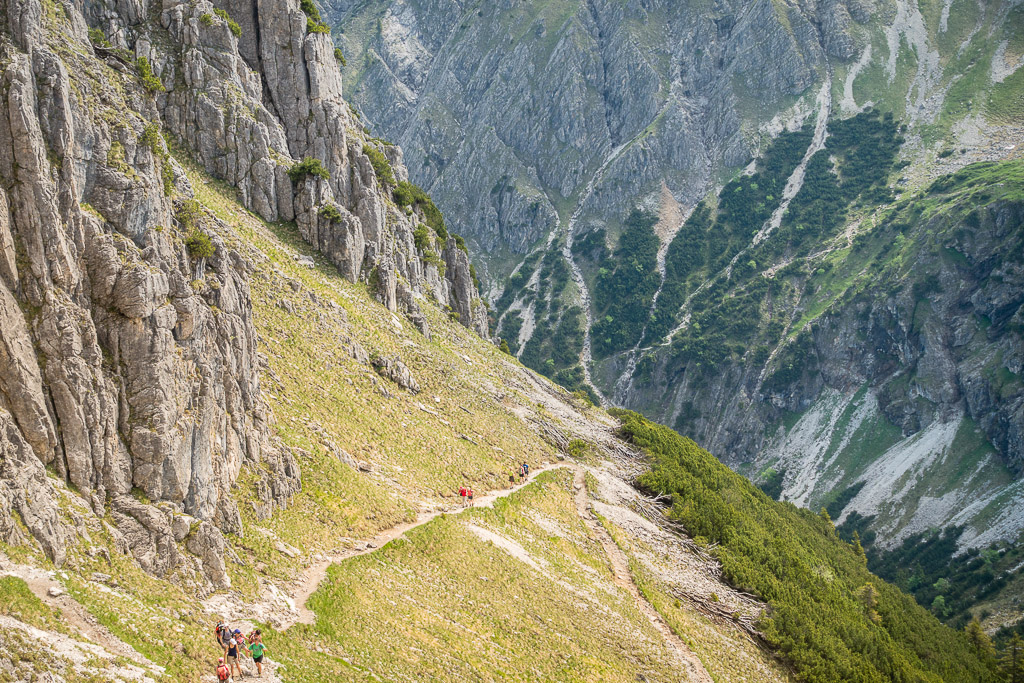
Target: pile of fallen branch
<point x="654" y="510"/>
<point x="745" y="620"/>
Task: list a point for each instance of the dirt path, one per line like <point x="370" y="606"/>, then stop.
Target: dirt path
<point x="310" y="579"/>
<point x="99" y="642"/>
<point x="300" y="591"/>
<point x="688" y="661"/>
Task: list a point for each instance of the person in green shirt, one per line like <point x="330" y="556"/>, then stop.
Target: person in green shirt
<point x="256" y="650"/>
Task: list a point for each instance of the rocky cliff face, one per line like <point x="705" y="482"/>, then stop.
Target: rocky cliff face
<point x="128" y="362"/>
<point x="506" y="113"/>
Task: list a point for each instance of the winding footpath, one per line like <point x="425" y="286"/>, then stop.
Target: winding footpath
<point x="312" y="577"/>
<point x="227" y="606"/>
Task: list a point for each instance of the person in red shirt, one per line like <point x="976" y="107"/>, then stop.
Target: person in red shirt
<point x="463" y="492"/>
<point x="223" y="672"/>
<point x="470" y="493"/>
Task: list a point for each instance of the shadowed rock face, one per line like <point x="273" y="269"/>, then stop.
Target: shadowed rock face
<point x="128" y="361"/>
<point x="505" y="112"/>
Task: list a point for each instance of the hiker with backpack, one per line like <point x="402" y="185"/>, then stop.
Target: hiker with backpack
<point x="223" y="672"/>
<point x="463" y="492"/>
<point x="231" y="653"/>
<point x="222" y="632"/>
<point x="522" y="472"/>
<point x="469" y="494"/>
<point x="526" y="469"/>
<point x="257" y="649"/>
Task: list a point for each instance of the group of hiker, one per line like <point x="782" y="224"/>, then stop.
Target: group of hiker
<point x="524" y="473"/>
<point x="466" y="493"/>
<point x="235" y="643"/>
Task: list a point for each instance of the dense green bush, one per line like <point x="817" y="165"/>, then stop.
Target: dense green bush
<point x="421" y="237"/>
<point x="199" y="244"/>
<point x="625" y="286"/>
<point x="317" y="26"/>
<point x="308" y="166"/>
<point x="828" y="616"/>
<point x="381" y="165"/>
<point x="330" y="212"/>
<point x="151" y="138"/>
<point x="150" y="81"/>
<point x="314" y="23"/>
<point x="410" y="194"/>
<point x="98" y="38"/>
<point x="232" y="24"/>
<point x="340" y="56"/>
<point x="188" y="213"/>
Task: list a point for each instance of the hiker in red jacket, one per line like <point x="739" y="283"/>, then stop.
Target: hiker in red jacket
<point x="463" y="491"/>
<point x="223" y="672"/>
<point x="469" y="492"/>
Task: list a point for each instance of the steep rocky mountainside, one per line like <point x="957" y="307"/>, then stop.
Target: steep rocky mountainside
<point x="244" y="370"/>
<point x="880" y="374"/>
<point x="518" y="115"/>
<point x="730" y="223"/>
<point x="128" y="354"/>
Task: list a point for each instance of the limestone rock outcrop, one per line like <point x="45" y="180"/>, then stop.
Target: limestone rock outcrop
<point x="128" y="361"/>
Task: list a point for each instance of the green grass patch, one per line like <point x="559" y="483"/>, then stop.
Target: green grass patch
<point x="443" y="604"/>
<point x="19" y="602"/>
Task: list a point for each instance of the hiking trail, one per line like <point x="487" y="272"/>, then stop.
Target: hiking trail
<point x="228" y="606"/>
<point x="240" y="615"/>
<point x="619" y="564"/>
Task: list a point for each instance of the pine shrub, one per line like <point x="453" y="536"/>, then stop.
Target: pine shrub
<point x="150" y="81"/>
<point x="308" y="166"/>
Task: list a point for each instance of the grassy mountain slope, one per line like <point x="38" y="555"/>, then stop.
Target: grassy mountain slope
<point x="525" y="590"/>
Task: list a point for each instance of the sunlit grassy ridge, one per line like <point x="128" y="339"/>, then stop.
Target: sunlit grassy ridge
<point x="459" y="429"/>
<point x="445" y="604"/>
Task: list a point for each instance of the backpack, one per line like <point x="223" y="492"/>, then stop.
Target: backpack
<point x="223" y="673"/>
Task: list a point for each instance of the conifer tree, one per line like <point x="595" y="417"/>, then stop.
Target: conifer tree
<point x="868" y="596"/>
<point x="1012" y="664"/>
<point x="979" y="640"/>
<point x="858" y="548"/>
